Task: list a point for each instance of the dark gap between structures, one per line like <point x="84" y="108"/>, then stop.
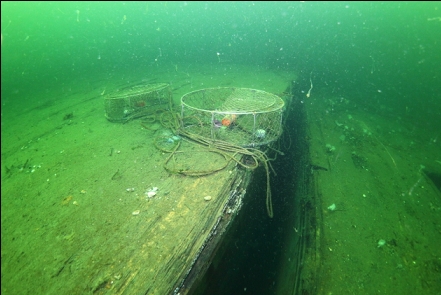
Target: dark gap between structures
<point x="248" y="261"/>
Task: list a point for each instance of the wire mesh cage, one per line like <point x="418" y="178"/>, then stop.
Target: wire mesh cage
<point x="240" y="116"/>
<point x="137" y="101"/>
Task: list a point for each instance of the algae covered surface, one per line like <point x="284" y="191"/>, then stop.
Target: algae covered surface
<point x="75" y="217"/>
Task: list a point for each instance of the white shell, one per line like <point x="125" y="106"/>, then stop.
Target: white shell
<point x="151" y="194"/>
<point x="207" y="198"/>
<point x="153" y="189"/>
<point x="136" y="212"/>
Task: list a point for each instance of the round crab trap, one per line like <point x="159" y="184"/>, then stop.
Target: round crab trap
<point x="240" y="116"/>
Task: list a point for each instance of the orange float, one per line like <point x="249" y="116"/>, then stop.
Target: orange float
<point x="228" y="120"/>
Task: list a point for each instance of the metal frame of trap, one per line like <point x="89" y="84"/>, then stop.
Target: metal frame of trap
<point x="258" y="115"/>
<point x="137" y="101"/>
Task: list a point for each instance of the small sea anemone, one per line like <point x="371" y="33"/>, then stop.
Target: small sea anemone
<point x="260" y="133"/>
<point x="381" y="243"/>
<point x="333" y="207"/>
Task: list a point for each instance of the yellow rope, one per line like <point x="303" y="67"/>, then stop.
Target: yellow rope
<point x="229" y="152"/>
<point x="255" y="154"/>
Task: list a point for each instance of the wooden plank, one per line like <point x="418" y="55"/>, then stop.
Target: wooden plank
<point x="77" y="220"/>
